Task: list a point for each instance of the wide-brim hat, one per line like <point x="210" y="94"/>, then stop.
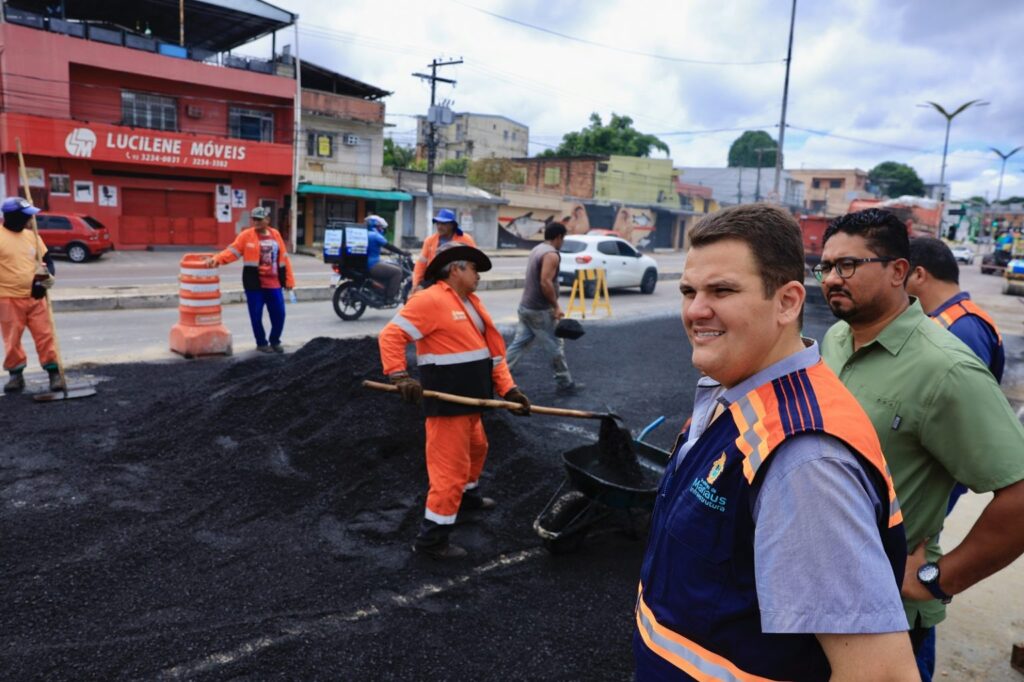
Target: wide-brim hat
<point x="453" y="251"/>
<point x="568" y="329"/>
<point x="446" y="215"/>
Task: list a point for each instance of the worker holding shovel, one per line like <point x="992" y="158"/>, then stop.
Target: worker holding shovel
<point x="24" y="281"/>
<point x="458" y="350"/>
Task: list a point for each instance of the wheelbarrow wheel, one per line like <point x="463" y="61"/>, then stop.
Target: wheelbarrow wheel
<point x="565" y="520"/>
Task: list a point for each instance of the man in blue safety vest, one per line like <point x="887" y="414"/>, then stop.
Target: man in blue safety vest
<point x="776" y="547"/>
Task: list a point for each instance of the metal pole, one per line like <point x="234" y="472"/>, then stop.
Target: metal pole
<point x="293" y="214"/>
<point x="1005" y="158"/>
<point x="785" y="99"/>
<point x="181" y="22"/>
<point x="942" y="173"/>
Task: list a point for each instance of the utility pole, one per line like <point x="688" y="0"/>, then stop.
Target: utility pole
<point x="785" y="99"/>
<point x="739" y="186"/>
<point x="432" y="122"/>
<point x="759" y="151"/>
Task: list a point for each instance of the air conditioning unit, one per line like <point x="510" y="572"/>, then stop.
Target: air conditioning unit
<point x="192" y="111"/>
<point x="351" y="140"/>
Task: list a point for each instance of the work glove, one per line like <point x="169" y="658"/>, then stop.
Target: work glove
<point x="42" y="281"/>
<point x="517" y="396"/>
<point x="411" y="390"/>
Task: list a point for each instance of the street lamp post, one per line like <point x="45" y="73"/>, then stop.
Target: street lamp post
<point x="1004" y="157"/>
<point x="949" y="116"/>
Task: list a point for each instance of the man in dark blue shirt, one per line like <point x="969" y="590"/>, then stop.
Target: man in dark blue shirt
<point x="935" y="280"/>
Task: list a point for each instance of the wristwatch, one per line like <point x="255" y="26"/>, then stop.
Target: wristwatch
<point x="928" y="575"/>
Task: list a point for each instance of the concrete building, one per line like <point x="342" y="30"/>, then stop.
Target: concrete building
<point x="474" y="136"/>
<point x="163" y="143"/>
<point x="633" y="197"/>
<point x="341" y="154"/>
<point x="739" y="185"/>
<point x="830" y="191"/>
<point x="476" y="209"/>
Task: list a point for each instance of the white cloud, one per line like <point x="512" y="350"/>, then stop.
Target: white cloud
<point x="859" y="70"/>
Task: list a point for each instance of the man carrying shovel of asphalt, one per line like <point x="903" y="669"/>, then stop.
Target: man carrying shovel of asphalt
<point x="23" y="286"/>
<point x="458" y="350"/>
<point x="776" y="547"/>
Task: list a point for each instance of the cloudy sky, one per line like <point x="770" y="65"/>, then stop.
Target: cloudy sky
<point x="699" y="72"/>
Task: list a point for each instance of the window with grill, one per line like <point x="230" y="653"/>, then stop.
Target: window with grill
<point x="142" y="110"/>
<point x="320" y="144"/>
<point x="552" y="176"/>
<point x="251" y="124"/>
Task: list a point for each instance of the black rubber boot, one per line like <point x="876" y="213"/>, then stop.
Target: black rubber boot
<point x="432" y="541"/>
<point x="16" y="384"/>
<point x="56" y="382"/>
<point x="474" y="501"/>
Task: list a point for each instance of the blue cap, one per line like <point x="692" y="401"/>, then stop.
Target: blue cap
<point x="18" y="205"/>
<point x="446" y="215"/>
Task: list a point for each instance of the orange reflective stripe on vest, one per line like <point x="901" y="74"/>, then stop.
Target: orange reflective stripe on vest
<point x="685" y="654"/>
<point x="759" y="418"/>
<point x="966" y="307"/>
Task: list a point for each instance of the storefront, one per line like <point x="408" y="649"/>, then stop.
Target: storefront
<point x="149" y="187"/>
<point x="319" y="204"/>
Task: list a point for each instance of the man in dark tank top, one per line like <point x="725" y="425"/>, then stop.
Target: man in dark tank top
<point x="539" y="311"/>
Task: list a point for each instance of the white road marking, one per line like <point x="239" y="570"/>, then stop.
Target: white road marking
<point x="332" y="621"/>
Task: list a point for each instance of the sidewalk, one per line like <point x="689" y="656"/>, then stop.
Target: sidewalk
<point x="73" y="293"/>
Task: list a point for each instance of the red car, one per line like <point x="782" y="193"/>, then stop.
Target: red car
<point x="79" y="237"/>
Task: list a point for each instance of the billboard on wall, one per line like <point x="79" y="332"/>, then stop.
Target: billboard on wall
<point x="103" y="142"/>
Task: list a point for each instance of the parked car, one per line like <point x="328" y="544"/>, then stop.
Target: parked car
<point x="963" y="254"/>
<point x="994" y="263"/>
<point x="78" y="236"/>
<point x="624" y="266"/>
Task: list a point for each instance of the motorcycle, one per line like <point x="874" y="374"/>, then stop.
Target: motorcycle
<point x="356" y="290"/>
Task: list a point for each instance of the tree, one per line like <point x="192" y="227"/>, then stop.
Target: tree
<point x="1011" y="200"/>
<point x="618" y="137"/>
<point x="978" y="201"/>
<point x="896" y="179"/>
<point x="453" y="166"/>
<point x="396" y="155"/>
<point x="490" y="174"/>
<point x="743" y="151"/>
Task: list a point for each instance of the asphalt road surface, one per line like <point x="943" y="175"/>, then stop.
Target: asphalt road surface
<point x="249" y="517"/>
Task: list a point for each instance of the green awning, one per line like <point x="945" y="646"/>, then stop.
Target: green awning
<point x="386" y="195"/>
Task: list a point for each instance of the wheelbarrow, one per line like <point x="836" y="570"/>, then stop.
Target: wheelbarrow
<point x="592" y="491"/>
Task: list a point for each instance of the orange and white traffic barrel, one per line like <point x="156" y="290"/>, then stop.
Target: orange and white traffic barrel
<point x="200" y="330"/>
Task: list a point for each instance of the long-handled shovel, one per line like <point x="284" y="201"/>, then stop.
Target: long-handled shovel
<point x="501" y="404"/>
<point x="67" y="393"/>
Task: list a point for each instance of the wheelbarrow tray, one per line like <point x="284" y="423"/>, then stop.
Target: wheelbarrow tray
<point x="609" y="487"/>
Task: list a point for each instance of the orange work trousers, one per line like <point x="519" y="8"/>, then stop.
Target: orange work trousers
<point x="15" y="315"/>
<point x="456" y="450"/>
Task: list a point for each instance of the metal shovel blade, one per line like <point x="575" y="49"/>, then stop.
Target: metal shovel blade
<point x="70" y="394"/>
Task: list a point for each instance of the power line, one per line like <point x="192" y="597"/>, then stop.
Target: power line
<point x="614" y="48"/>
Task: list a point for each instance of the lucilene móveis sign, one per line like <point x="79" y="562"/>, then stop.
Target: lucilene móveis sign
<point x="103" y="142"/>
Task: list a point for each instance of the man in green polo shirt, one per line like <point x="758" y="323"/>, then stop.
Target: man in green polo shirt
<point x="939" y="413"/>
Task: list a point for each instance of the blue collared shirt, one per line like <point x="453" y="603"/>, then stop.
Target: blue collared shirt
<point x="820" y="565"/>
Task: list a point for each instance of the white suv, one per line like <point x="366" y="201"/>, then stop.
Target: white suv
<point x="624" y="266"/>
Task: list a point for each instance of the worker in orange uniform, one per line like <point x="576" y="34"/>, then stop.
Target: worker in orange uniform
<point x="266" y="268"/>
<point x="458" y="350"/>
<point x="23" y="286"/>
<point x="448" y="230"/>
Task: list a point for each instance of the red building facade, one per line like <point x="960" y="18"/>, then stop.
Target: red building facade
<point x="162" y="150"/>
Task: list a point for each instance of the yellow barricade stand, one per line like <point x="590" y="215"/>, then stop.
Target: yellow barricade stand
<point x="578" y="295"/>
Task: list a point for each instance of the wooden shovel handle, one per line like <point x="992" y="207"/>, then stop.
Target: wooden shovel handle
<point x="486" y="402"/>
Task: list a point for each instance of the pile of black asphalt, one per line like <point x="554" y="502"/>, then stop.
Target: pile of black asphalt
<point x="251" y="518"/>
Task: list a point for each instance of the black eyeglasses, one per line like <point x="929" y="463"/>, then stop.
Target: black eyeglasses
<point x="845" y="267"/>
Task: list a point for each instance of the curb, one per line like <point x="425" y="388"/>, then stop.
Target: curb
<point x="142" y="301"/>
